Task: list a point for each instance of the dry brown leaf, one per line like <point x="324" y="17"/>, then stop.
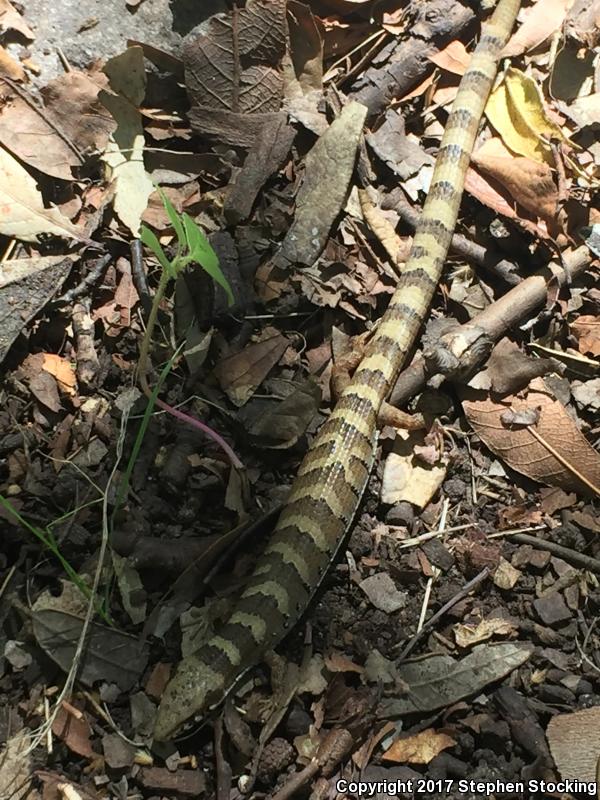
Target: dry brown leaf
<point x="468" y="634"/>
<point x="24" y="214"/>
<point x="42" y="384"/>
<point x="383" y="593"/>
<point x="480" y="188"/>
<point x="73" y="101"/>
<point x="26" y="131"/>
<point x="444" y="95"/>
<point x="11" y="20"/>
<point x="75" y="732"/>
<point x="506" y="576"/>
<point x="233" y="74"/>
<point x="63" y="371"/>
<point x="116" y="313"/>
<point x="242" y="373"/>
<point x="539" y="23"/>
<point x="11" y="68"/>
<point x="529" y="182"/>
<point x="553" y="500"/>
<point x="574" y="741"/>
<point x="407" y="478"/>
<point x="587" y="331"/>
<point x="529" y="449"/>
<point x="453" y="58"/>
<point x="419" y="749"/>
<point x="338" y="662"/>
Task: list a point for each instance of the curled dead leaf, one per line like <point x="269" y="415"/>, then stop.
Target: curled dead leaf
<point x="421" y="748"/>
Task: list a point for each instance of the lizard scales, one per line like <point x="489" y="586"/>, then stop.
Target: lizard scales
<point x="332" y="477"/>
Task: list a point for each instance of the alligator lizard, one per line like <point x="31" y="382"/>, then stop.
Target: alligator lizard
<point x="332" y="477"/>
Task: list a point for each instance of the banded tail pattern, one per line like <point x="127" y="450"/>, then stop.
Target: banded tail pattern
<point x="327" y="490"/>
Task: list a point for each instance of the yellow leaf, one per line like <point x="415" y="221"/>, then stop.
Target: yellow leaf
<point x="516" y="111"/>
<point x="528" y="101"/>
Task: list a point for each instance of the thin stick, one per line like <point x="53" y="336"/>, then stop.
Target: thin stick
<point x="570" y="556"/>
<point x="460" y="595"/>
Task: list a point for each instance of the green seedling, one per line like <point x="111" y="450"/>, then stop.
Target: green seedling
<point x="192" y="248"/>
<point x="46" y="537"/>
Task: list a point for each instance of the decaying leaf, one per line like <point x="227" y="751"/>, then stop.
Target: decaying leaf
<point x="587" y="394"/>
<point x="523" y="451"/>
<point x="574" y="741"/>
<point x="421" y="748"/>
<point x="383" y="593"/>
<point x="242" y="373"/>
<point x="11" y="20"/>
<point x="282" y="425"/>
<point x="26" y="285"/>
<point x="540" y="21"/>
<point x="467" y="634"/>
<point x="529" y="182"/>
<point x="124" y="154"/>
<point x="407" y="478"/>
<point x="24" y="215"/>
<point x="440" y="680"/>
<point x="110" y="655"/>
<point x="587" y="330"/>
<point x="16" y="772"/>
<point x="329" y="167"/>
<point x="232" y="72"/>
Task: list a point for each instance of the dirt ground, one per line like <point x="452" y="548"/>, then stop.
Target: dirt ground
<point x="157" y="398"/>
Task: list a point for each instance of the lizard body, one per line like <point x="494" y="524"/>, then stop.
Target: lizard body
<point x="332" y="477"/>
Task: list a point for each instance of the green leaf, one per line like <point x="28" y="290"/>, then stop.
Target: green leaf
<point x="150" y="240"/>
<point x="202" y="253"/>
<point x="174" y="217"/>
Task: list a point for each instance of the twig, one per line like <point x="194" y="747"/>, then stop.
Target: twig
<point x="471" y="251"/>
<point x="298" y="780"/>
<point x="570" y="556"/>
<point x="460" y="595"/>
<point x="498" y="318"/>
<point x="138" y="274"/>
<point x="88" y="280"/>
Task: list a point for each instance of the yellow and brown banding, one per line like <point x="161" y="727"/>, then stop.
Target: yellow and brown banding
<point x="334" y="472"/>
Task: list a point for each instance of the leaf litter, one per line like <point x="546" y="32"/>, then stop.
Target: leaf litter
<point x="274" y="131"/>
